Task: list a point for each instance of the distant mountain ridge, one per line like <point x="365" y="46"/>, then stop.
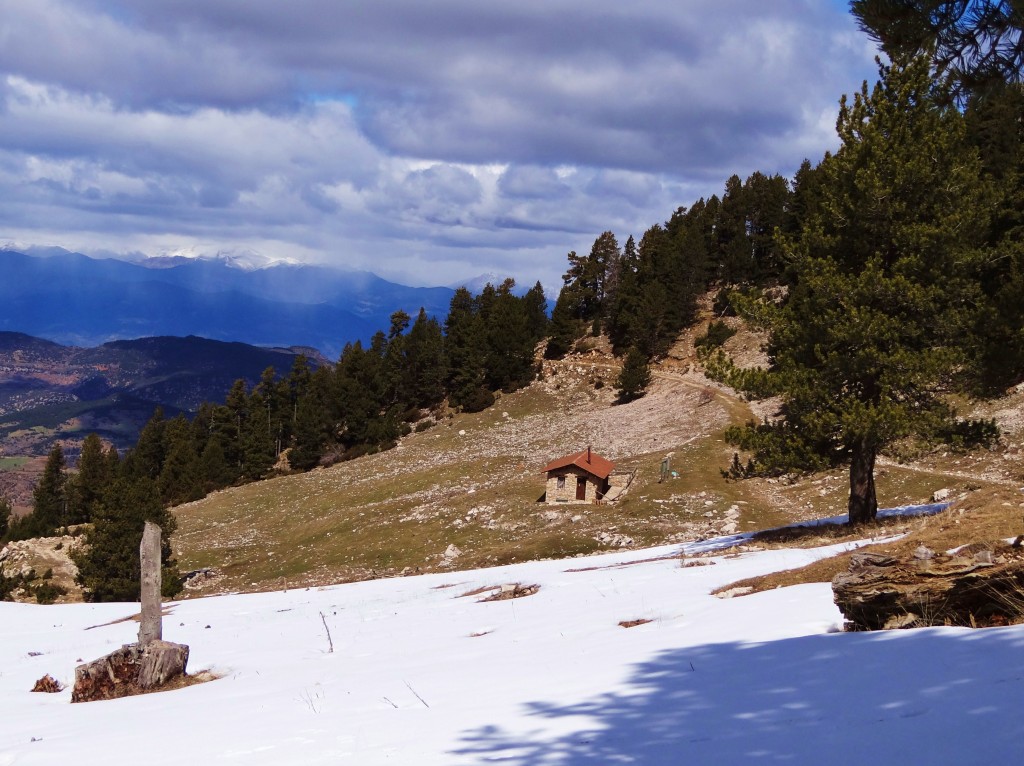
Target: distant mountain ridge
<point x="52" y="392"/>
<point x="73" y="299"/>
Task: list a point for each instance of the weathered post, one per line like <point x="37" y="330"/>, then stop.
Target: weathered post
<point x="151" y="622"/>
<point x="151" y="662"/>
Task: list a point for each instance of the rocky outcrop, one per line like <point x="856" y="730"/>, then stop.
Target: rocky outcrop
<point x="978" y="585"/>
<point x="38" y="556"/>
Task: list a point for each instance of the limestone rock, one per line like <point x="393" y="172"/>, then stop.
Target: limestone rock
<point x="977" y="586"/>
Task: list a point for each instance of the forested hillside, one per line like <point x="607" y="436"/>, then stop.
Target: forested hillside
<point x="888" y="279"/>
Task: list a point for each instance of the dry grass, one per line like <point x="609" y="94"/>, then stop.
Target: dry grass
<point x="633" y="623"/>
<point x="397" y="512"/>
<point x="995" y="513"/>
<point x="473" y="481"/>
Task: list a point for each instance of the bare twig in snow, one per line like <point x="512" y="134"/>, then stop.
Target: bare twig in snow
<point x="409" y="686"/>
<point x="330" y="643"/>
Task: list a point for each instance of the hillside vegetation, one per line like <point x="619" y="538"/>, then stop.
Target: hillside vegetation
<point x="473" y="481"/>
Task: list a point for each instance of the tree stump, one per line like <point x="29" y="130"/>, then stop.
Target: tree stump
<point x="981" y="585"/>
<point x="108" y="677"/>
<point x="161" y="662"/>
<point x="131" y="669"/>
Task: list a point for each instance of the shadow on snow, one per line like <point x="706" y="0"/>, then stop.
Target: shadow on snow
<point x="938" y="695"/>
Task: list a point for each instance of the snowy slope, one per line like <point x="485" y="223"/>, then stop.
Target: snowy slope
<point x="553" y="680"/>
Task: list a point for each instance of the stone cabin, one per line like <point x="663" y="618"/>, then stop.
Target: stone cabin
<point x="579" y="478"/>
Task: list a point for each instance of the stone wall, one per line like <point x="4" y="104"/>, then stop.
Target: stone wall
<point x="567" y="493"/>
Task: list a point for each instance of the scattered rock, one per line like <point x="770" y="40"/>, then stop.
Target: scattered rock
<point x="614" y="540"/>
<point x="450" y="554"/>
<point x="48" y="684"/>
<point x="941" y="495"/>
<point x="199" y="578"/>
<point x="742" y="590"/>
<point x="510" y="591"/>
<point x="923" y="553"/>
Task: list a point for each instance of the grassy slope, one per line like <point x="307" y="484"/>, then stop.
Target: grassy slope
<point x="478" y="490"/>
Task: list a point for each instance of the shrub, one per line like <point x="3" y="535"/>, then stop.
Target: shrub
<point x="47" y="593"/>
<point x="717" y="334"/>
<point x="478" y="401"/>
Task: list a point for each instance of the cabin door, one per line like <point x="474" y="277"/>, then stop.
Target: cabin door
<point x="581" y="488"/>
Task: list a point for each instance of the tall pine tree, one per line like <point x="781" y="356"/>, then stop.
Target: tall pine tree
<point x="873" y="331"/>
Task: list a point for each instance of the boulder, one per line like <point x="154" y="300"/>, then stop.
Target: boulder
<point x="979" y="585"/>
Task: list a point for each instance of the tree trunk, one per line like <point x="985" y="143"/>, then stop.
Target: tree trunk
<point x="151" y="620"/>
<point x="863" y="505"/>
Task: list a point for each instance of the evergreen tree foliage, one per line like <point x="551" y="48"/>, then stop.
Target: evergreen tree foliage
<point x="624" y="306"/>
<point x="108" y="564"/>
<point x="873" y="329"/>
<point x="275" y="395"/>
<point x="995" y="126"/>
<point x="425" y="367"/>
<point x="634" y="378"/>
<point x="565" y="326"/>
<point x="535" y="307"/>
<point x="509" y="342"/>
<point x="312" y="422"/>
<point x="49" y="501"/>
<point x="146" y="459"/>
<point x="5" y="516"/>
<point x="86" y="486"/>
<point x="465" y="350"/>
<point x="181" y="478"/>
<point x="214" y="471"/>
<point x="975" y="45"/>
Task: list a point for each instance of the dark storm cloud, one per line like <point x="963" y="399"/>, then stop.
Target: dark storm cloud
<point x="417" y="129"/>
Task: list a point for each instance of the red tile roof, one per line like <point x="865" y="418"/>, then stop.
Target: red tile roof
<point x="589" y="461"/>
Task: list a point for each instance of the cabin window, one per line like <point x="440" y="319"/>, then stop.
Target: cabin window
<point x="561" y="482"/>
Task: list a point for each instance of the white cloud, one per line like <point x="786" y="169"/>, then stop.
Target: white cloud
<point x="425" y="141"/>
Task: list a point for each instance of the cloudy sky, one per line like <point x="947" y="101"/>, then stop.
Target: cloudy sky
<point x="426" y="140"/>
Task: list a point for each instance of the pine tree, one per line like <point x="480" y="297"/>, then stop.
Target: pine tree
<point x="465" y="349"/>
<point x="733" y="249"/>
<point x="975" y="45"/>
<point x="634" y="378"/>
<point x="623" y="313"/>
<point x="509" y="342"/>
<point x="564" y="327"/>
<point x="108" y="564"/>
<point x="535" y="306"/>
<point x="180" y="479"/>
<point x="146" y="459"/>
<point x="995" y="126"/>
<point x="5" y="515"/>
<point x="214" y="471"/>
<point x="87" y="485"/>
<point x="313" y="422"/>
<point x="49" y="499"/>
<point x="425" y="369"/>
<point x="874" y="329"/>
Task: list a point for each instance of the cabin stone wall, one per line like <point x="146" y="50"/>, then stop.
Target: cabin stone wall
<point x="571" y="476"/>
